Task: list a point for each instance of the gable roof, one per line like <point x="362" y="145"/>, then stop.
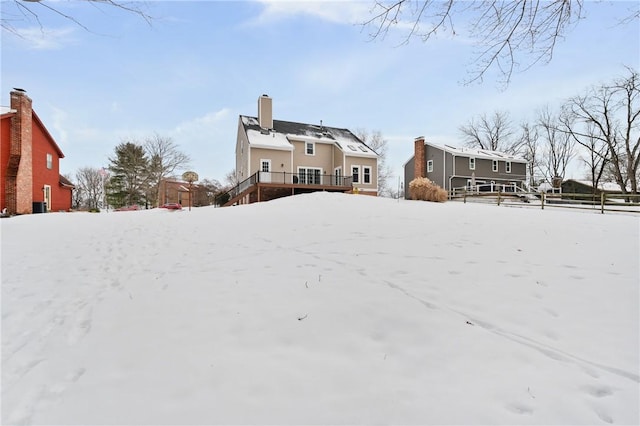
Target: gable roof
<point x="7" y="112"/>
<point x="284" y="131"/>
<point x="478" y="153"/>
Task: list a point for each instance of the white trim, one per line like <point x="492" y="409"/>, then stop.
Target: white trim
<point x="313" y="148"/>
<point x="363" y="175"/>
<point x="265" y="175"/>
<point x="46" y="194"/>
<point x="309" y="168"/>
<point x="353" y="180"/>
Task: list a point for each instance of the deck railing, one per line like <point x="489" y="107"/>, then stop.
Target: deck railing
<point x="297" y="180"/>
<point x="603" y="202"/>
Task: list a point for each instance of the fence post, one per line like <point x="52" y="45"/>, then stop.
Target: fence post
<point x="542" y="200"/>
<point x="602" y="197"/>
<point x="464" y="196"/>
<point x="498" y="197"/>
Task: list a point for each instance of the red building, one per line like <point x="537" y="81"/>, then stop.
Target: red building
<point x="30" y="180"/>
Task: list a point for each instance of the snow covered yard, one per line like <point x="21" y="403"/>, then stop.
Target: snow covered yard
<point x="321" y="309"/>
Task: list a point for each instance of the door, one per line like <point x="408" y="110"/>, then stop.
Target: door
<point x="47" y="197"/>
<point x="265" y="171"/>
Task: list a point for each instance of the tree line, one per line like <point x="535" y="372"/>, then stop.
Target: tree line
<point x="134" y="176"/>
<point x="600" y="126"/>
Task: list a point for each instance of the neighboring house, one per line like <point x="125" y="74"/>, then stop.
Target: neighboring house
<point x="474" y="169"/>
<point x="276" y="158"/>
<point x="175" y="191"/>
<point x="29" y="162"/>
<point x="571" y="186"/>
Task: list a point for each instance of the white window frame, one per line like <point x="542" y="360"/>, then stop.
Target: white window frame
<point x="494" y="165"/>
<point x="311" y="145"/>
<point x="302" y="177"/>
<point x="46" y="194"/>
<point x="507" y="166"/>
<point x="355" y="178"/>
<point x="430" y="166"/>
<point x="366" y="174"/>
<point x="337" y="176"/>
<point x="472" y="163"/>
<point x="49" y="161"/>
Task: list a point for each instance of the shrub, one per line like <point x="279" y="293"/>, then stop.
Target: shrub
<point x="425" y="190"/>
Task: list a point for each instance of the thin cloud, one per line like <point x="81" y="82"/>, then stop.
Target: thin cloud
<point x="45" y="39"/>
<point x="337" y="11"/>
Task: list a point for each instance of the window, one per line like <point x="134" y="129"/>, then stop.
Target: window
<point x="49" y="161"/>
<point x="310" y="175"/>
<point x="494" y="165"/>
<point x="352" y="148"/>
<point x="362" y="148"/>
<point x="355" y="172"/>
<point x="310" y="148"/>
<point x="265" y="165"/>
<point x="508" y="166"/>
<point x="472" y="163"/>
<point x="429" y="166"/>
<point x="366" y="174"/>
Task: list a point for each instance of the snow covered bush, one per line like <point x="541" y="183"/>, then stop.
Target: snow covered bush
<point x="425" y="190"/>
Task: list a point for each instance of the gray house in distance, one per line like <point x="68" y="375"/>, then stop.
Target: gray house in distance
<point x="474" y="169"/>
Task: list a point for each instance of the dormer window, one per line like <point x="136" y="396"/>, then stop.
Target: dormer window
<point x="310" y="148"/>
<point x="472" y="163"/>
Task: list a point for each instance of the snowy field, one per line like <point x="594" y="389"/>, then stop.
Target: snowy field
<point x="321" y="309"/>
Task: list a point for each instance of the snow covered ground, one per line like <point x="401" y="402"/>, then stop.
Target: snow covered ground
<point x="321" y="309"/>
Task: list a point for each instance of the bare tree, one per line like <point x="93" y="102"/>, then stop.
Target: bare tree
<point x="90" y="186"/>
<point x="529" y="150"/>
<point x="610" y="114"/>
<point x="507" y="33"/>
<point x="33" y="10"/>
<point x="558" y="146"/>
<point x="164" y="159"/>
<point x="230" y="180"/>
<point x="376" y="141"/>
<point x="492" y="133"/>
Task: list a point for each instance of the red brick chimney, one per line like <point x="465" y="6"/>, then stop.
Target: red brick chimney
<point x="19" y="192"/>
<point x="419" y="160"/>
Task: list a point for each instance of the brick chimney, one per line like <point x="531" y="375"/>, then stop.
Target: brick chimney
<point x="265" y="112"/>
<point x="19" y="188"/>
<point x="419" y="160"/>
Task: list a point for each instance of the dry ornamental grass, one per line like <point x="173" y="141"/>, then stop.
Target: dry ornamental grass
<point x="425" y="190"/>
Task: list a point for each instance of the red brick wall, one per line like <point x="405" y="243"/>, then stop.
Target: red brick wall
<point x="20" y="155"/>
<point x="60" y="199"/>
<point x="5" y="149"/>
<point x="420" y="162"/>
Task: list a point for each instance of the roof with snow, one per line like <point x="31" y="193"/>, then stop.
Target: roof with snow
<point x="478" y="153"/>
<point x="284" y="132"/>
<point x="6" y="110"/>
<point x="602" y="186"/>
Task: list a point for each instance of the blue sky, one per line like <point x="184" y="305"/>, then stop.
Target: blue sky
<point x="200" y="64"/>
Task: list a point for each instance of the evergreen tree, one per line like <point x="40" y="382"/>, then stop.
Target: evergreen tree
<point x="129" y="175"/>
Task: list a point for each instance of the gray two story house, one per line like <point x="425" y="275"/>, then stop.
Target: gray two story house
<point x="470" y="168"/>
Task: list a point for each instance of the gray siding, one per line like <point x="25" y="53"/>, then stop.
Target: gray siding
<point x="438" y="176"/>
<point x="409" y="168"/>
